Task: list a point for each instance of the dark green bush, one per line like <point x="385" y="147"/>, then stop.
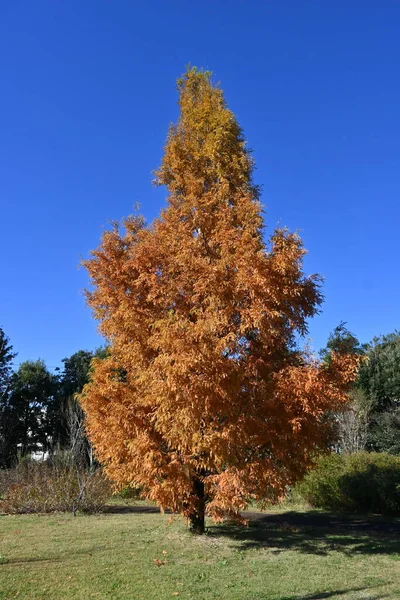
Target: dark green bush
<point x="320" y="487"/>
<point x="356" y="483"/>
<point x="43" y="487"/>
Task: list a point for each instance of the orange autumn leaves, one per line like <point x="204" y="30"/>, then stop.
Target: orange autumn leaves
<point x="204" y="381"/>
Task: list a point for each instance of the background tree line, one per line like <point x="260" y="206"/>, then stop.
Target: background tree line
<point x="372" y="421"/>
<point x="39" y="411"/>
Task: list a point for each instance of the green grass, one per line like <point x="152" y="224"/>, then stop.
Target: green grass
<point x="283" y="556"/>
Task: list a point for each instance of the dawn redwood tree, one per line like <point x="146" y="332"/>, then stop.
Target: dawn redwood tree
<point x="204" y="399"/>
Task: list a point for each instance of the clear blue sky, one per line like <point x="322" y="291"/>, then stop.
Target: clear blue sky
<point x="88" y="91"/>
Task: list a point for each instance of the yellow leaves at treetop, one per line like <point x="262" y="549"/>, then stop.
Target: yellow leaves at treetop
<point x="204" y="400"/>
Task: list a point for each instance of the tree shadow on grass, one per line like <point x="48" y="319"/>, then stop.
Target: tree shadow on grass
<point x="334" y="594"/>
<point x="313" y="533"/>
<point x="138" y="509"/>
<point x="55" y="557"/>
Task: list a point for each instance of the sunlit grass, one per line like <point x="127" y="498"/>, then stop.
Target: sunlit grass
<point x="285" y="557"/>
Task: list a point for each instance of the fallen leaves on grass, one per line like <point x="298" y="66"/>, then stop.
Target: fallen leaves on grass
<point x="159" y="562"/>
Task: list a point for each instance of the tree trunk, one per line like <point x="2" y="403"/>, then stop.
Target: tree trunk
<point x="197" y="519"/>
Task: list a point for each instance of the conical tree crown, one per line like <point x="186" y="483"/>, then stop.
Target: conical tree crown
<point x="206" y="166"/>
<point x="205" y="153"/>
<point x="203" y="387"/>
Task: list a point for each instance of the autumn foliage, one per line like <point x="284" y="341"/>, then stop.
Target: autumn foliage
<point x="205" y="400"/>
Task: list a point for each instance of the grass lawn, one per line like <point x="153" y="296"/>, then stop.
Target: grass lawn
<point x="281" y="556"/>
